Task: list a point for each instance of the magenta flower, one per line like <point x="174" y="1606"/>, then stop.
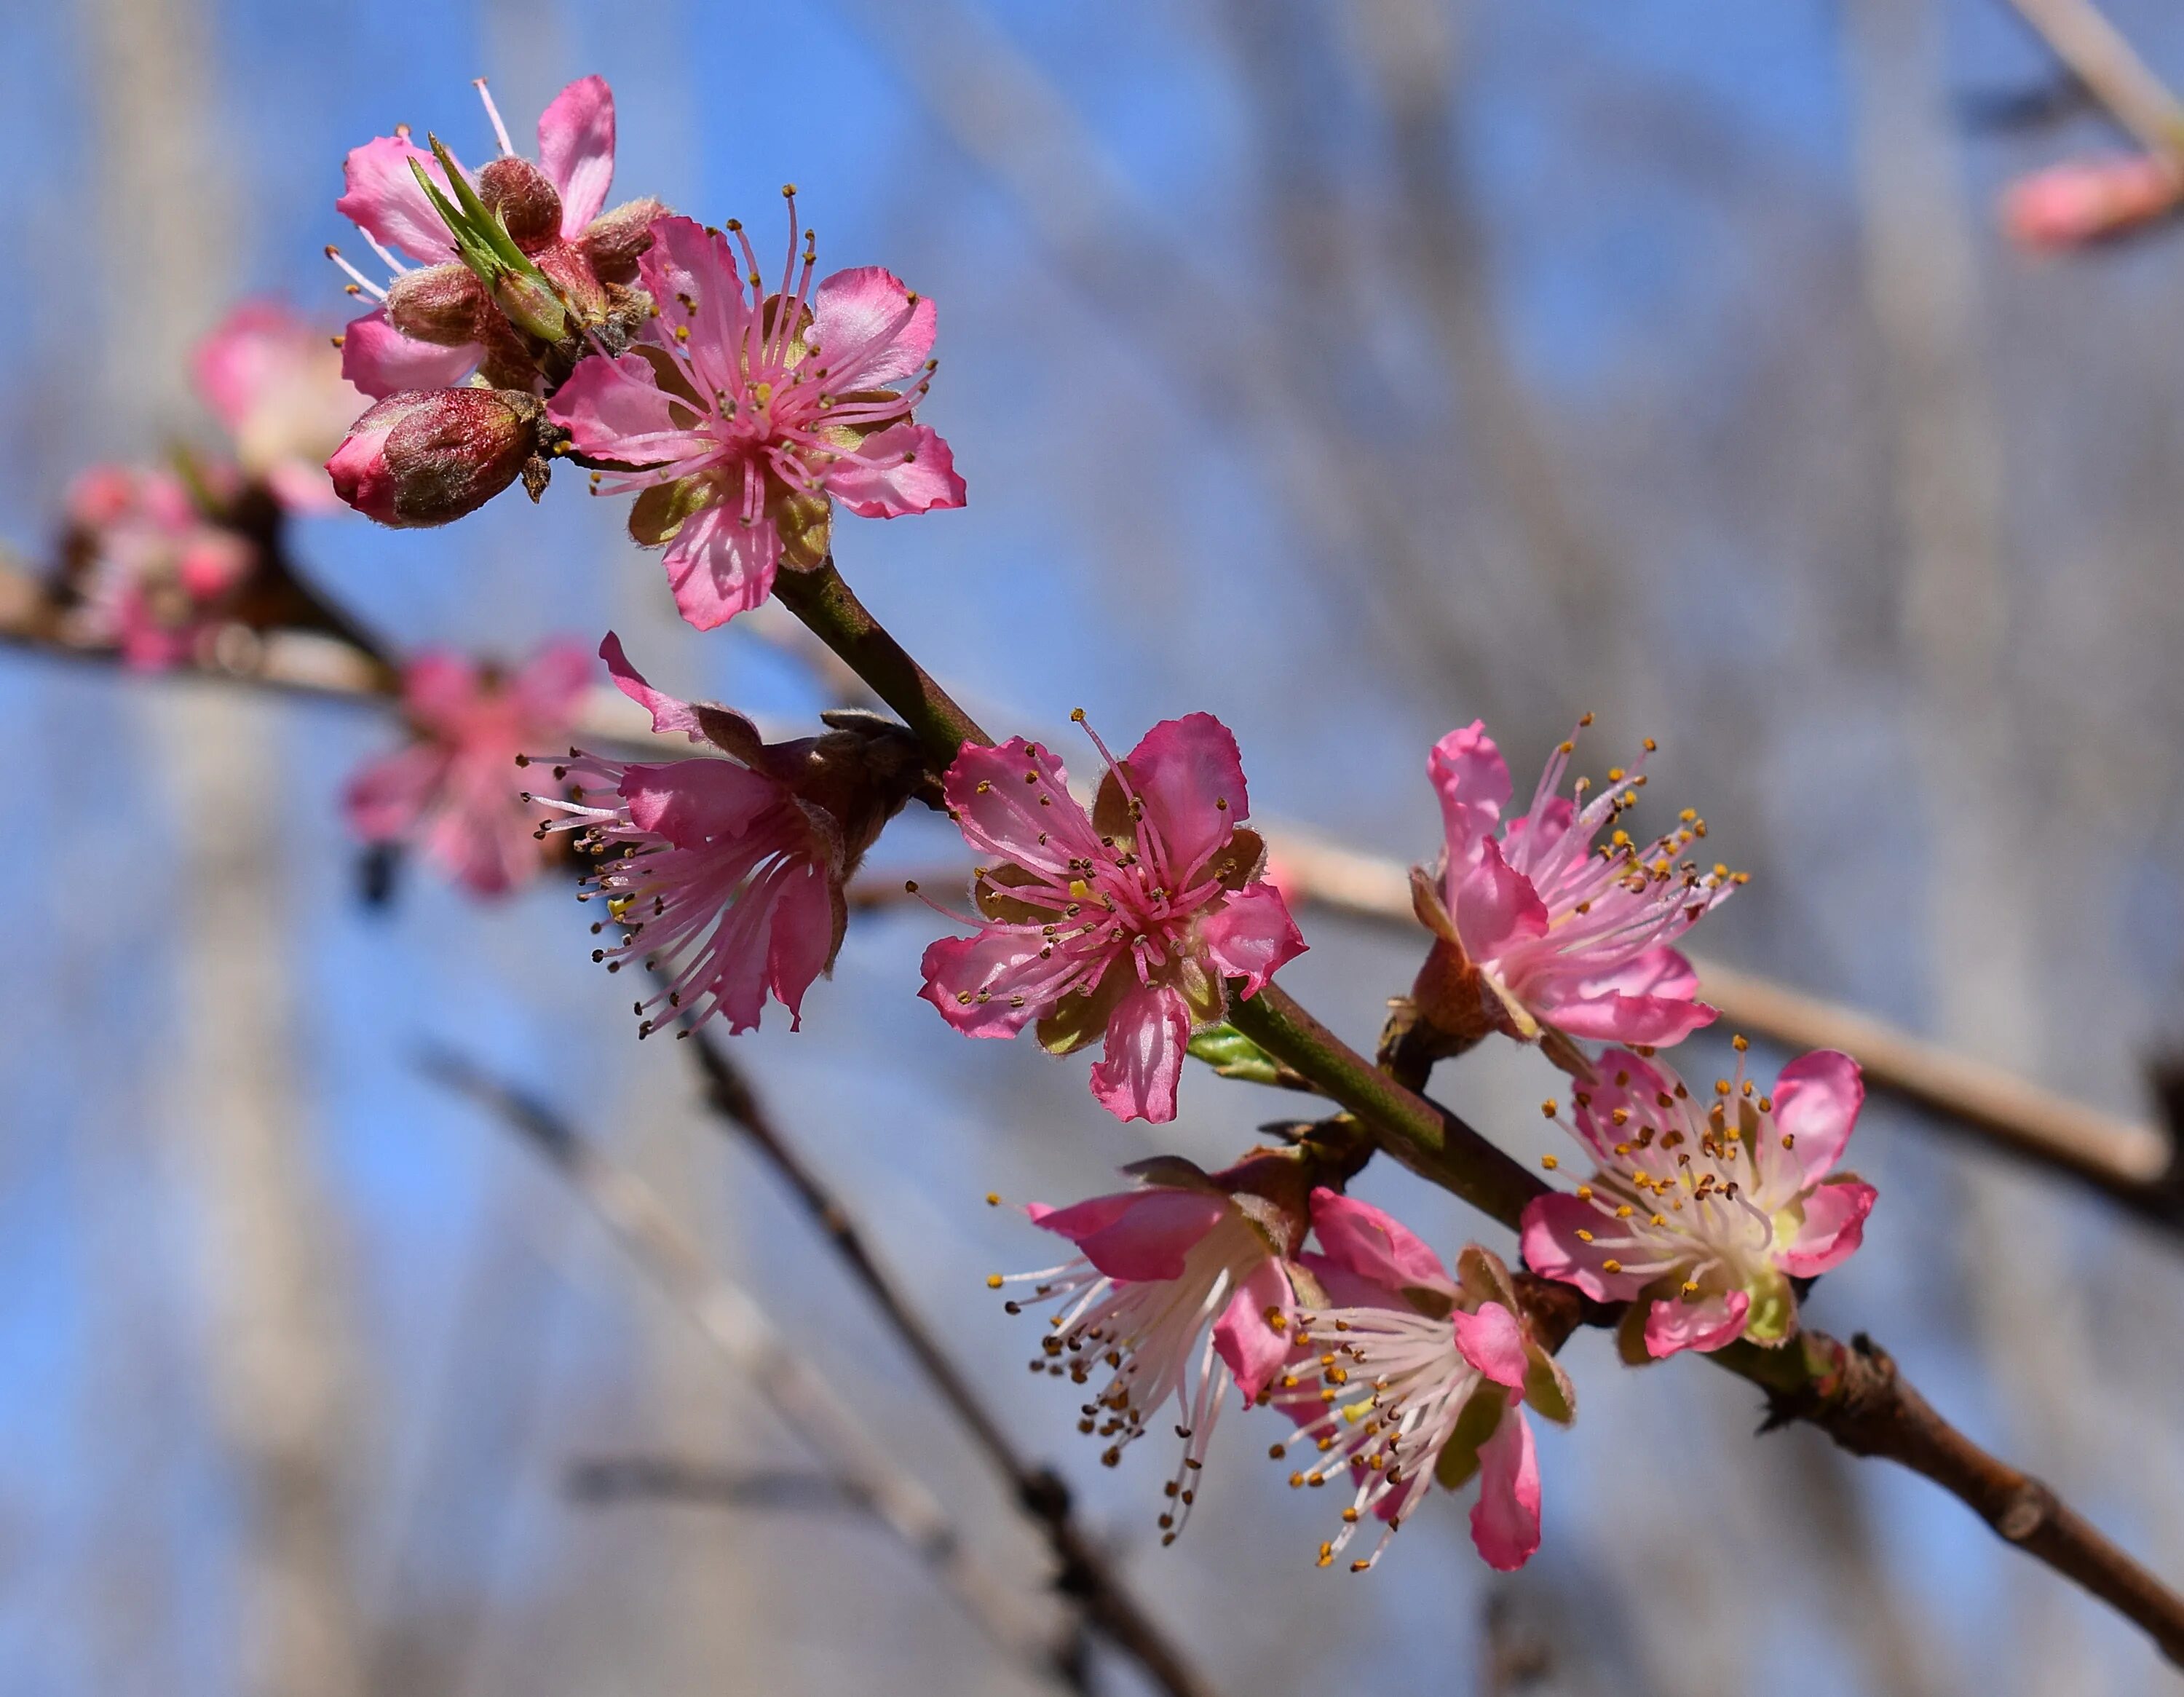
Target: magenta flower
<point x="1410" y="1379"/>
<point x="1699" y="1218"/>
<point x="1127" y="922"/>
<point x="436" y="325"/>
<point x="1178" y="1293"/>
<point x="1538" y="931"/>
<point x="451" y="793"/>
<point x="725" y="876"/>
<point x="277" y="383"/>
<point x="149" y="573"/>
<point x="745" y="416"/>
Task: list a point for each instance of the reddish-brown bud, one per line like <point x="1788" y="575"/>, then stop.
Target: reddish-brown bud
<point x="525" y="199"/>
<point x="582" y="292"/>
<point x="436" y="303"/>
<point x="427" y="457"/>
<point x="613" y="241"/>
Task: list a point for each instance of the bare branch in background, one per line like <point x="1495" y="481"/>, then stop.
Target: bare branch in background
<point x="2101" y="60"/>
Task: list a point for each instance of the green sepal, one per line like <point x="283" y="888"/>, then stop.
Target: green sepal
<point x="1547" y="1387"/>
<point x="661" y="510"/>
<point x="523" y="291"/>
<point x="1630" y="1335"/>
<point x="1773" y="1315"/>
<point x="1174" y="1171"/>
<point x="1481" y="1419"/>
<point x="1232" y="1054"/>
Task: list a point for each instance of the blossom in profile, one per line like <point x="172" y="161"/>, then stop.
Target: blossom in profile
<point x="275" y="382"/>
<point x="1178" y="1292"/>
<point x="724" y="876"/>
<point x="1125" y="923"/>
<point x="742" y="418"/>
<point x="1538" y="930"/>
<point x="1408" y="1378"/>
<point x="451" y="793"/>
<point x="436" y="322"/>
<point x="149" y="573"/>
<point x="2087" y="200"/>
<point x="1701" y="1212"/>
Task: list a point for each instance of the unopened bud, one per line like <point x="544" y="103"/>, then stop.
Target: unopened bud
<point x="436" y="304"/>
<point x="524" y="199"/>
<point x="613" y="241"/>
<point x="571" y="272"/>
<point x="427" y="457"/>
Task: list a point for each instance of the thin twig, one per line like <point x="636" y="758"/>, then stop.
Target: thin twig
<point x="1083" y="1574"/>
<point x="2096" y="52"/>
<point x="735" y="1324"/>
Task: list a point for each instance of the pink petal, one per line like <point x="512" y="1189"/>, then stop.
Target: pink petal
<point x="802" y="940"/>
<point x="997" y="968"/>
<point x="301" y="487"/>
<point x="1660" y="971"/>
<point x="1375" y="1245"/>
<point x="1531" y="835"/>
<point x="380" y="361"/>
<point x="1472" y="781"/>
<point x="669" y="715"/>
<point x="686" y="261"/>
<point x="1505" y="1521"/>
<point x="616" y="409"/>
<point x="906" y="468"/>
<point x="1553" y="1249"/>
<point x="869" y="333"/>
<point x="1654" y="1020"/>
<point x="1142" y="1063"/>
<point x="719" y="566"/>
<point x="1142" y="1235"/>
<point x="1712" y="1323"/>
<point x="691" y="803"/>
<point x="1002" y="815"/>
<point x="1183" y="767"/>
<point x="440" y="690"/>
<point x="1253" y="1349"/>
<point x="1816" y="1102"/>
<point x="1251" y="935"/>
<point x="552" y="681"/>
<point x="576" y="150"/>
<point x="1834" y="1227"/>
<point x="381" y="197"/>
<point x="1496" y="904"/>
<point x="386" y="796"/>
<point x="1492" y="1341"/>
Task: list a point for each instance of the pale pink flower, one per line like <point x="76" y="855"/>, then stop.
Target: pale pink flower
<point x="275" y="382"/>
<point x="1541" y="931"/>
<point x="433" y="327"/>
<point x="1410" y="1378"/>
<point x="1127" y="922"/>
<point x="451" y="793"/>
<point x="151" y="574"/>
<point x="2084" y="200"/>
<point x="1178" y="1292"/>
<point x="744" y="417"/>
<point x="1700" y="1216"/>
<point x="725" y="876"/>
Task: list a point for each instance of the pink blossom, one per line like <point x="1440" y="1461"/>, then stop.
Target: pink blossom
<point x="744" y="417"/>
<point x="1178" y="1291"/>
<point x="1540" y="932"/>
<point x="275" y="382"/>
<point x="151" y="574"/>
<point x="433" y="326"/>
<point x="451" y="793"/>
<point x="1126" y="922"/>
<point x="1411" y="1379"/>
<point x="1700" y="1217"/>
<point x="725" y="876"/>
<point x="2085" y="200"/>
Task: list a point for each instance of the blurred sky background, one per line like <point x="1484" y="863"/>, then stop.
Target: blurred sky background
<point x="1347" y="370"/>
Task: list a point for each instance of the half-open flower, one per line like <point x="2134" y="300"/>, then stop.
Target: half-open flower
<point x="1178" y="1291"/>
<point x="1701" y="1213"/>
<point x="1409" y="1379"/>
<point x="1126" y="923"/>
<point x="275" y="382"/>
<point x="725" y="876"/>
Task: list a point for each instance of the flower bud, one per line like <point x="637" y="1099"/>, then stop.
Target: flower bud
<point x="429" y="457"/>
<point x="436" y="304"/>
<point x="613" y="241"/>
<point x="529" y="302"/>
<point x="571" y="272"/>
<point x="524" y="199"/>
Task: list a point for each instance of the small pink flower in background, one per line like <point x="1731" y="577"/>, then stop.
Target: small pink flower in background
<point x="2084" y="200"/>
<point x="451" y="794"/>
<point x="725" y="876"/>
<point x="1538" y="932"/>
<point x="746" y="416"/>
<point x="1125" y="923"/>
<point x="1700" y="1216"/>
<point x="275" y="382"/>
<point x="150" y="575"/>
<point x="436" y="325"/>
<point x="1410" y="1378"/>
<point x="1178" y="1292"/>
